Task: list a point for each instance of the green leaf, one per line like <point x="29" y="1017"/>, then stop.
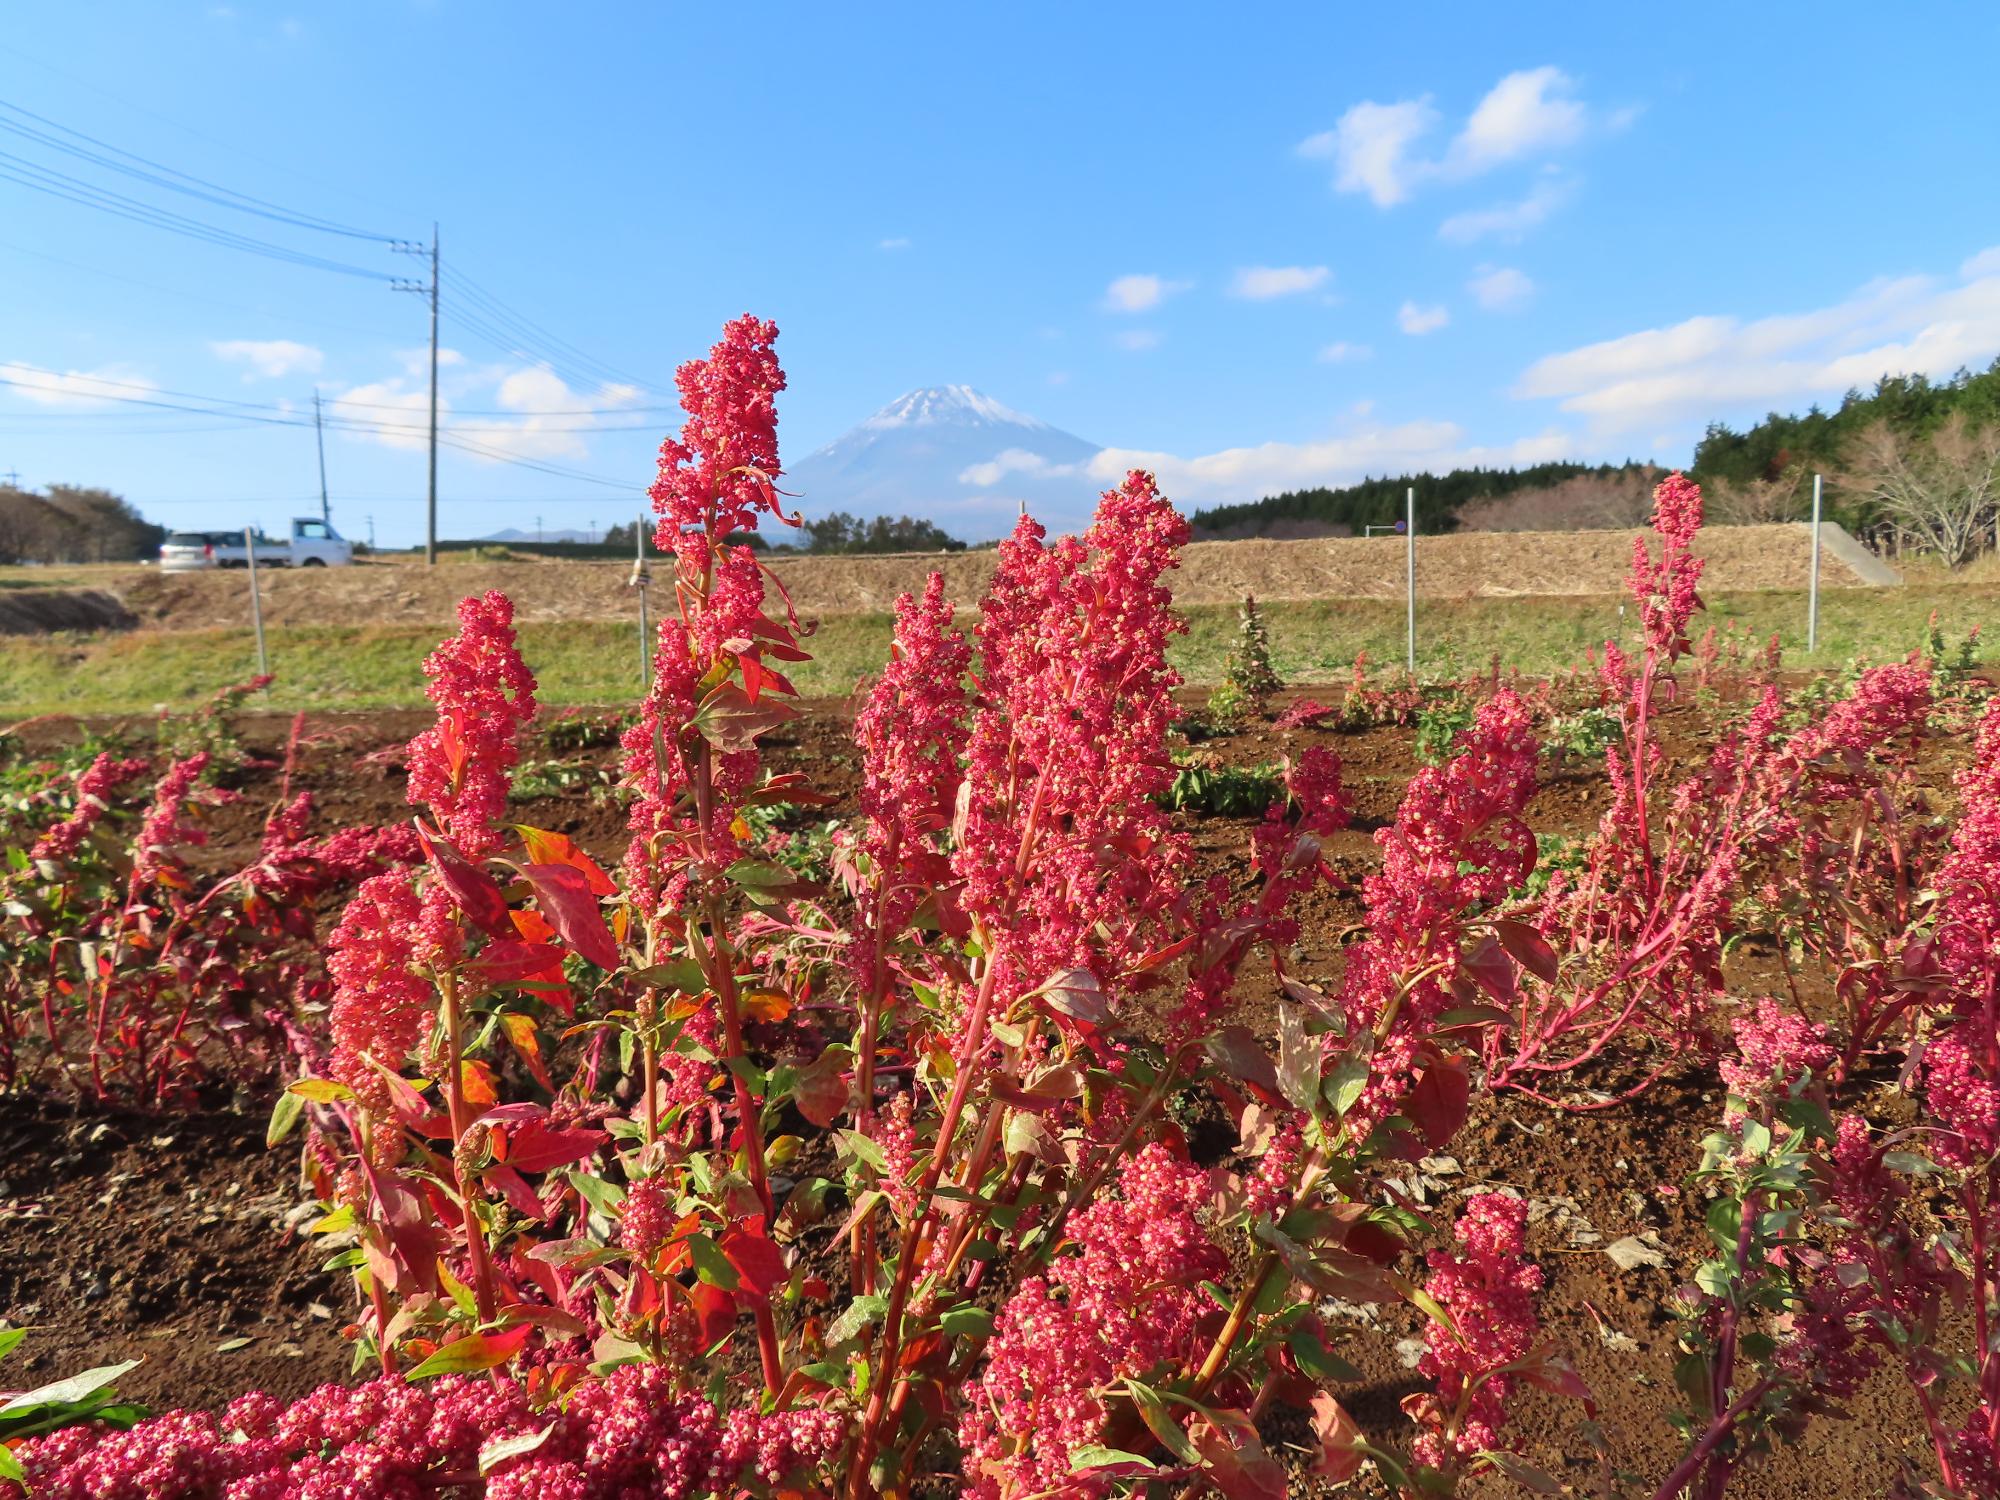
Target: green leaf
<point x="682" y="974"/>
<point x="285" y="1116"/>
<point x="69" y="1390"/>
<point x="476" y="1351"/>
<point x="10" y="1340"/>
<point x="865" y="1150"/>
<point x="1095" y="1456"/>
<point x="1724" y="1218"/>
<point x="1298" y="1059"/>
<point x="860" y="1314"/>
<point x="230" y="1346"/>
<point x="320" y="1090"/>
<point x="758" y="874"/>
<point x="967" y="1322"/>
<point x="10" y="1467"/>
<point x="497" y="1452"/>
<point x="1318" y="1361"/>
<point x="1345" y="1082"/>
<point x="711" y="1265"/>
<point x="1162" y="1424"/>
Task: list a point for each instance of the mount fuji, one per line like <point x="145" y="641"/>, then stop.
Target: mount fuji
<point x="951" y="455"/>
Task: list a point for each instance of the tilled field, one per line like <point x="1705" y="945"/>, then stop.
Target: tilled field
<point x="176" y="1238"/>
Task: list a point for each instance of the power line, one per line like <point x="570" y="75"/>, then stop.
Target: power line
<point x="508" y="316"/>
<point x="56" y="184"/>
<point x="446" y="438"/>
<point x="145" y="169"/>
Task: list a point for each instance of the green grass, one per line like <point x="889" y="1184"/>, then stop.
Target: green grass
<point x="360" y="666"/>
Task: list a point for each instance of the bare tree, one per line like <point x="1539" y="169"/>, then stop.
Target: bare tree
<point x="1941" y="491"/>
<point x="1583" y="502"/>
<point x="1759" y="502"/>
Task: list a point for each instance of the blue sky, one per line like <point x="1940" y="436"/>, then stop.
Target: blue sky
<point x="1256" y="249"/>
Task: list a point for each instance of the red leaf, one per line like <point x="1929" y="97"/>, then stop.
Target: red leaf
<point x="545" y="848"/>
<point x="471" y="887"/>
<point x="1235" y="1461"/>
<point x="508" y="961"/>
<point x="1438" y="1102"/>
<point x="563" y="893"/>
<point x="714" y="1311"/>
<point x="729" y="720"/>
<point x="536" y="1148"/>
<point x="1487" y="964"/>
<point x="822" y="1091"/>
<point x="1530" y="949"/>
<point x="1339" y="1439"/>
<point x="758" y="1261"/>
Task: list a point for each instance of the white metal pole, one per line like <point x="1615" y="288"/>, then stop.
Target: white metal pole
<point x="642" y="580"/>
<point x="256" y="601"/>
<point x="1410" y="576"/>
<point x="1812" y="591"/>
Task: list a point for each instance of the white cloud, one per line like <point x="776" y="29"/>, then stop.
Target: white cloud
<point x="550" y="420"/>
<point x="1985" y="263"/>
<point x="1246" y="473"/>
<point x="1508" y="221"/>
<point x="894" y="242"/>
<point x="1500" y="288"/>
<point x="100" y="387"/>
<point x="1417" y="321"/>
<point x="1137" y="340"/>
<point x="1012" y="461"/>
<point x="1370" y="148"/>
<point x="1261" y="283"/>
<point x="271" y="358"/>
<point x="1375" y="147"/>
<point x="1138" y="293"/>
<point x="1703" y="366"/>
<point x="1525" y="112"/>
<point x="1342" y="353"/>
<point x="1058" y="377"/>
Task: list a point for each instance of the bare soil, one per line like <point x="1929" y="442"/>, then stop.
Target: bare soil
<point x="167" y="1237"/>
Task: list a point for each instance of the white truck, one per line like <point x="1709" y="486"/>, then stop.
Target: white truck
<point x="313" y="544"/>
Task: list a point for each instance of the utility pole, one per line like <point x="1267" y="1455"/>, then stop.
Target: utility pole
<point x="431" y="521"/>
<point x="1410" y="579"/>
<point x="319" y="436"/>
<point x="371" y="533"/>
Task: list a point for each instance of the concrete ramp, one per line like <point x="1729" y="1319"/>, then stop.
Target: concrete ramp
<point x="1837" y="542"/>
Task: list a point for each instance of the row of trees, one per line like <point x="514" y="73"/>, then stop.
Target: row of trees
<point x="70" y="523"/>
<point x="1442" y="499"/>
<point x="838" y="534"/>
<point x="1914" y="464"/>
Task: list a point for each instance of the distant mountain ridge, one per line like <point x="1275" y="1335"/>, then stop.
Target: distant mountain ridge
<point x="955" y="456"/>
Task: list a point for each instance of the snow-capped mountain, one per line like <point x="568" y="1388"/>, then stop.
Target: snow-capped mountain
<point x="952" y="455"/>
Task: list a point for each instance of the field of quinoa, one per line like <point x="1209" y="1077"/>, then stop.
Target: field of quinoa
<point x="1028" y="1078"/>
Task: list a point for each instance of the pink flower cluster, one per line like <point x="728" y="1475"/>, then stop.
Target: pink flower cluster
<point x="1489" y="1291"/>
<point x="1666" y="590"/>
<point x="381" y="1004"/>
<point x="630" y="1434"/>
<point x="1066" y="860"/>
<point x="719" y="474"/>
<point x="163" y="829"/>
<point x="1883" y="716"/>
<point x="909" y="733"/>
<point x="1962" y="1065"/>
<point x="94" y="790"/>
<point x="1458" y="843"/>
<point x="1776" y="1049"/>
<point x="1122" y="1307"/>
<point x="645" y="1218"/>
<point x="460" y="767"/>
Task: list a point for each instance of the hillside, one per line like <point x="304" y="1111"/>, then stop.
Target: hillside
<point x="1443" y="501"/>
